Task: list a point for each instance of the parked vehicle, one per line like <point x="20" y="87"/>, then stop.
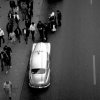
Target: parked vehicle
<point x="39" y="67"/>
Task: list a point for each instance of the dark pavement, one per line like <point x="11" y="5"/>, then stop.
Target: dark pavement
<point x="72" y="50"/>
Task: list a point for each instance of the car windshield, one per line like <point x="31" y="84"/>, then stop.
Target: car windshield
<point x="38" y="71"/>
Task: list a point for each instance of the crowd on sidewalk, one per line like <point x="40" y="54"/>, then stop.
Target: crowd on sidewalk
<point x="15" y="32"/>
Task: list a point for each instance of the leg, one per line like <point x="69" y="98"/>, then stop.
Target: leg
<point x="10" y="97"/>
<point x="2" y="65"/>
<point x="3" y="39"/>
<point x="7" y="65"/>
<point x="9" y="60"/>
<point x="26" y="39"/>
<point x="19" y="38"/>
<point x="59" y="22"/>
<point x="8" y="35"/>
<point x="0" y="41"/>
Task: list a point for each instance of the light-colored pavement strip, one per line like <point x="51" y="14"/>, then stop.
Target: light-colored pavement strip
<point x="94" y="71"/>
<point x="20" y="56"/>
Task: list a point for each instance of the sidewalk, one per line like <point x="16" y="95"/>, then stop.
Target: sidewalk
<point x="20" y="55"/>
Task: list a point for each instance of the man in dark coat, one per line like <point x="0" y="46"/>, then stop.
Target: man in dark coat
<point x="9" y="28"/>
<point x="46" y="30"/>
<point x="40" y="27"/>
<point x="18" y="33"/>
<point x="2" y="60"/>
<point x="8" y="51"/>
<point x="59" y="17"/>
<point x="12" y="4"/>
<point x="52" y="20"/>
<point x="27" y="23"/>
<point x="26" y="34"/>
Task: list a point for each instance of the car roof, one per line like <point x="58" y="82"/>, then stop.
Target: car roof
<point x="39" y="60"/>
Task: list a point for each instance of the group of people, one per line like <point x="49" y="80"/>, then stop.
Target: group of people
<point x="54" y="21"/>
<point x="12" y="27"/>
<point x="13" y="22"/>
<point x="5" y="57"/>
<point x="14" y="32"/>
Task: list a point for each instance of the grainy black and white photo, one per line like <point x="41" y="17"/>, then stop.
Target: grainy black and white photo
<point x="49" y="49"/>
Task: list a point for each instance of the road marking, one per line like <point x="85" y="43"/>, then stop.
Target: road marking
<point x="91" y="2"/>
<point x="94" y="71"/>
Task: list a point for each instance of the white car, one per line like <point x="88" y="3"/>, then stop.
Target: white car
<point x="39" y="70"/>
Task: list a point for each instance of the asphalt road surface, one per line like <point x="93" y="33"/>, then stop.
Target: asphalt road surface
<point x="75" y="54"/>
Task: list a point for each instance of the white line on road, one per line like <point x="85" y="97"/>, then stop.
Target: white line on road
<point x="91" y="2"/>
<point x="94" y="71"/>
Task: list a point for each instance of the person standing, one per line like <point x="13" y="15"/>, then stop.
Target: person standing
<point x="26" y="34"/>
<point x="52" y="20"/>
<point x="12" y="4"/>
<point x="18" y="33"/>
<point x="1" y="36"/>
<point x="2" y="60"/>
<point x="30" y="10"/>
<point x="7" y="86"/>
<point x="6" y="61"/>
<point x="8" y="51"/>
<point x="27" y="23"/>
<point x="49" y="25"/>
<point x="9" y="28"/>
<point x="40" y="29"/>
<point x="59" y="17"/>
<point x="46" y="31"/>
<point x="32" y="30"/>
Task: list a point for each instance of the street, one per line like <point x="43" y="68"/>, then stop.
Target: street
<point x="73" y="47"/>
<point x="75" y="53"/>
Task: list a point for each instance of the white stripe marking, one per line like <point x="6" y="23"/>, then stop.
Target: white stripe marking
<point x="91" y="2"/>
<point x="94" y="71"/>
